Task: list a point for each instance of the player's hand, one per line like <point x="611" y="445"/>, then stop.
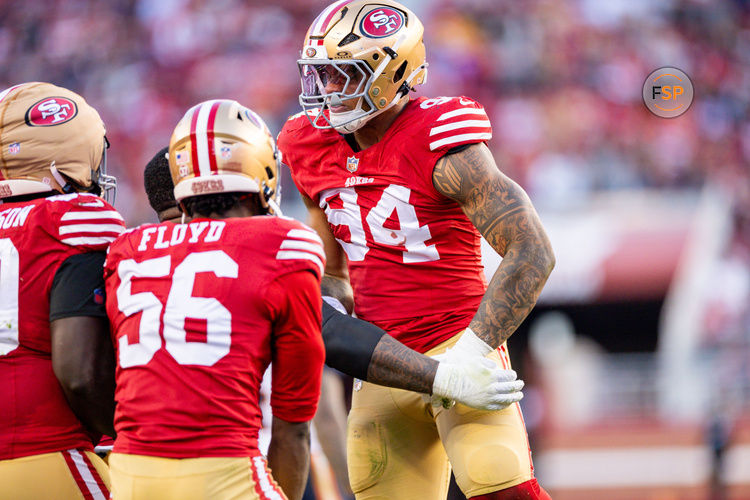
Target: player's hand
<point x="476" y="382"/>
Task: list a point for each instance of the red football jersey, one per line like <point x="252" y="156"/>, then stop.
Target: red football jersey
<point x="36" y="237"/>
<point x="414" y="257"/>
<point x="198" y="311"/>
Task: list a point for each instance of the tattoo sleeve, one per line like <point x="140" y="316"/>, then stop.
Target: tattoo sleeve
<point x="502" y="212"/>
<point x="395" y="365"/>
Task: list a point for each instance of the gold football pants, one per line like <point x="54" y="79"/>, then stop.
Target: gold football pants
<point x="140" y="477"/>
<point x="401" y="447"/>
<point x="63" y="475"/>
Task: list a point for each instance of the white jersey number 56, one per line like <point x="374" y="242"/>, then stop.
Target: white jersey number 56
<point x="180" y="305"/>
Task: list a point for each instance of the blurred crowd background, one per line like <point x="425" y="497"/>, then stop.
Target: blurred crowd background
<point x="561" y="81"/>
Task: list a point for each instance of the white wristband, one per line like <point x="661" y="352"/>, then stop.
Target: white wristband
<point x="335" y="303"/>
<point x="472" y="345"/>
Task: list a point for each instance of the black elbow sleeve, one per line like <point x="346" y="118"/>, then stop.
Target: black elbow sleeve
<point x="349" y="342"/>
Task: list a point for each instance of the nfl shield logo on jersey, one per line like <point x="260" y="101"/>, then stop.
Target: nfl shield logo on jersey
<point x="352" y="164"/>
<point x="14" y="149"/>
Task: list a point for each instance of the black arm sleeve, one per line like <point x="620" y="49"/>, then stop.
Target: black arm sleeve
<point x="349" y="342"/>
<point x="78" y="287"/>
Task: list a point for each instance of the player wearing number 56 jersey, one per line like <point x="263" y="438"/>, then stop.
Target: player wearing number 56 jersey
<point x="55" y="396"/>
<point x="200" y="309"/>
<point x="400" y="190"/>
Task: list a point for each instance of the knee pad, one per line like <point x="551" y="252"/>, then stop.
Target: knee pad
<point x="484" y="458"/>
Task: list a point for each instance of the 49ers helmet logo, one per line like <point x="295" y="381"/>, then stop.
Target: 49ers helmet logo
<point x="51" y="111"/>
<point x="382" y="22"/>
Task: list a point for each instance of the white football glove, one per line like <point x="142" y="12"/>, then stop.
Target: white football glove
<point x="465" y="376"/>
<point x="475" y="382"/>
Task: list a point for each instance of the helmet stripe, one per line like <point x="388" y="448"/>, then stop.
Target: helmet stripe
<point x="320" y="24"/>
<point x="194" y="141"/>
<point x="199" y="136"/>
<point x="9" y="90"/>
<point x="210" y="137"/>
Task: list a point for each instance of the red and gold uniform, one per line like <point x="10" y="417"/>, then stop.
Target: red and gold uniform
<point x="198" y="312"/>
<point x="415" y="266"/>
<point x="37" y="237"/>
<point x="411" y="251"/>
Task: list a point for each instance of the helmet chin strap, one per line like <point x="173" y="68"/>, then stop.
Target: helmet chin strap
<point x="354" y="119"/>
<point x="348" y="121"/>
<point x="275" y="207"/>
<point x="64" y="184"/>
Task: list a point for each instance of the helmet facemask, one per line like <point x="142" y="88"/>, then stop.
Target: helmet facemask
<point x="107" y="184"/>
<point x="353" y="77"/>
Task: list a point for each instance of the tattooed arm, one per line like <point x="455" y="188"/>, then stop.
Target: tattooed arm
<point x="502" y="212"/>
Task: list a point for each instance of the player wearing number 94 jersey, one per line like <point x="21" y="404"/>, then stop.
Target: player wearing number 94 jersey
<point x="199" y="310"/>
<point x="400" y="190"/>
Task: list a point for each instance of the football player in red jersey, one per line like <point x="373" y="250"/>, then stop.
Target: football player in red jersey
<point x="198" y="312"/>
<point x="362" y="350"/>
<point x="55" y="395"/>
<point x="400" y="191"/>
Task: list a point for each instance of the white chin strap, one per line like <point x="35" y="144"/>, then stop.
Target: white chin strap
<point x="275" y="207"/>
<point x="350" y="121"/>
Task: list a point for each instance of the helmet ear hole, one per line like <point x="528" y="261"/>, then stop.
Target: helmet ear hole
<point x="399" y="73"/>
<point x="351" y="37"/>
<point x="269" y="171"/>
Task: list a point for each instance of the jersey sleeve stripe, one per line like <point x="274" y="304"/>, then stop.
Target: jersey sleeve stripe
<point x="462" y="111"/>
<point x="103" y="214"/>
<point x="457" y="125"/>
<point x="455" y="139"/>
<point x="295" y="255"/>
<point x="91" y="228"/>
<point x="89" y="240"/>
<point x="303" y="245"/>
<point x="305" y="235"/>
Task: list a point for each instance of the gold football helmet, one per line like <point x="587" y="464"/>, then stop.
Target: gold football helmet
<point x="52" y="140"/>
<point x="221" y="146"/>
<point x="359" y="58"/>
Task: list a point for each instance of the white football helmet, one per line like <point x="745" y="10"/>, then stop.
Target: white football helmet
<point x="369" y="53"/>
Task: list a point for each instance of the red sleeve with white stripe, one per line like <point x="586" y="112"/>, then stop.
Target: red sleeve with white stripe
<point x="88" y="223"/>
<point x="455" y="122"/>
<point x="303" y="245"/>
